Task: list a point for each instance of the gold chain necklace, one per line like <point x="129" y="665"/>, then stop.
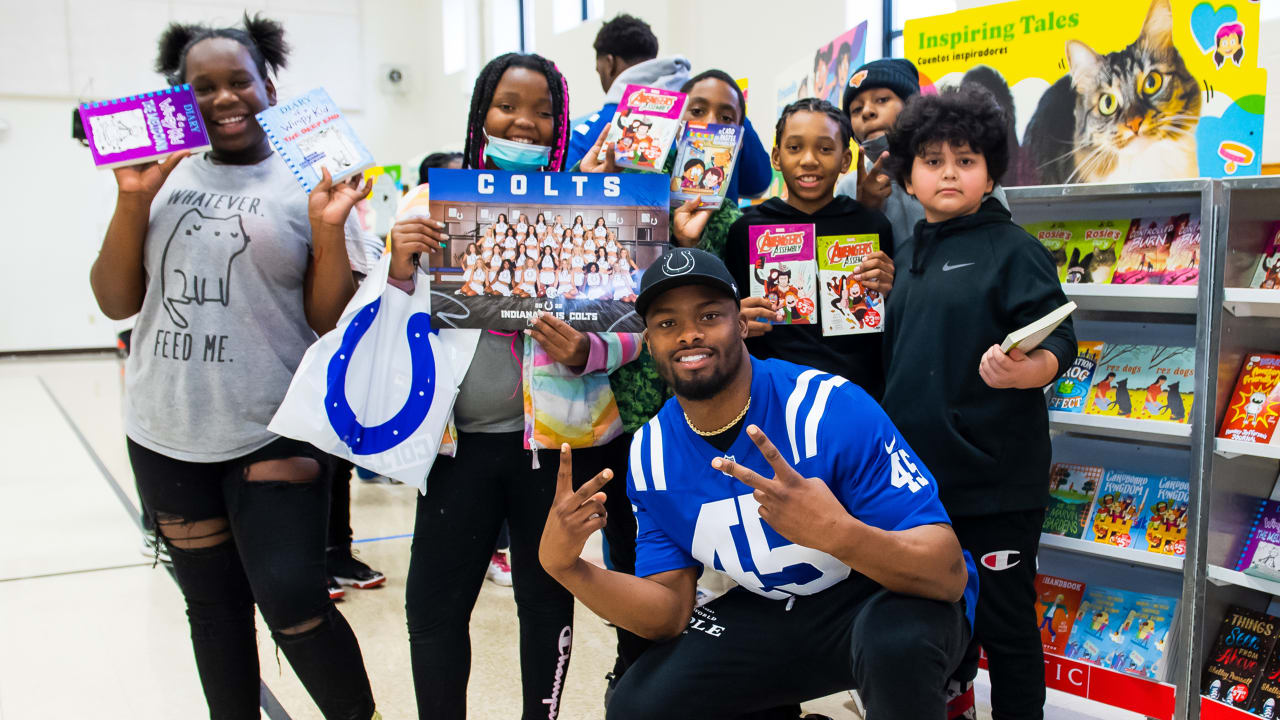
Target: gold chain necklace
<point x="731" y="423"/>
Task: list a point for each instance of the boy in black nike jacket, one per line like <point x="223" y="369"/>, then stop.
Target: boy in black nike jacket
<point x="975" y="414"/>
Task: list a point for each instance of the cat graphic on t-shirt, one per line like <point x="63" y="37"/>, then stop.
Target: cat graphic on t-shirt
<point x="197" y="262"/>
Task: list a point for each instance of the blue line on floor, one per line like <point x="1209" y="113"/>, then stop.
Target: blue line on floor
<point x="388" y="537"/>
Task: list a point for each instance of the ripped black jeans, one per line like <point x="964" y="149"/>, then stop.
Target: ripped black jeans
<point x="252" y="530"/>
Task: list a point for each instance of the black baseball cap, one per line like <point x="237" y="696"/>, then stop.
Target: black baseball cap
<point x="683" y="266"/>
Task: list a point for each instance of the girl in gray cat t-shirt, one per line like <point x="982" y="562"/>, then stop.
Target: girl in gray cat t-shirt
<point x="232" y="272"/>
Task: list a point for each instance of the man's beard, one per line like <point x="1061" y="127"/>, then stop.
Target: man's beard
<point x="703" y="388"/>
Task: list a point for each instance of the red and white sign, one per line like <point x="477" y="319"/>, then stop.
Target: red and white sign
<point x="1117" y="689"/>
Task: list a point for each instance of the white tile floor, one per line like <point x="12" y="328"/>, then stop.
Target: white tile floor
<point x="88" y="629"/>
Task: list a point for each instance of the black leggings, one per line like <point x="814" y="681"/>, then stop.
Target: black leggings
<point x="468" y="497"/>
<point x="255" y="540"/>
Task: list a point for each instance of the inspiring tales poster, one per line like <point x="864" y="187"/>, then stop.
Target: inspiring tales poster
<point x="520" y="244"/>
<point x="1106" y="91"/>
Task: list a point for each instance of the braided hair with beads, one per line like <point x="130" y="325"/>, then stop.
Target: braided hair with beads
<point x="482" y="97"/>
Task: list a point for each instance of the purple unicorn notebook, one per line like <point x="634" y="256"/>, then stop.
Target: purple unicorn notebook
<point x="141" y="128"/>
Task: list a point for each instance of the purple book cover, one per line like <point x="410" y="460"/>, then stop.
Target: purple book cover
<point x="141" y="128"/>
<point x="1260" y="551"/>
<point x="784" y="271"/>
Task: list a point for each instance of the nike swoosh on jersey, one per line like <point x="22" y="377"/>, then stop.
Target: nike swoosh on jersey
<point x="948" y="267"/>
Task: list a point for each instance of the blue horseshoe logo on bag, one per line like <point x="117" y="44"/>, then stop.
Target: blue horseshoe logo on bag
<point x="380" y="438"/>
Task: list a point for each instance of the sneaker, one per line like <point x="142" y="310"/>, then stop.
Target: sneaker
<point x="499" y="570"/>
<point x="960" y="702"/>
<point x="153" y="549"/>
<point x="335" y="590"/>
<point x="347" y="570"/>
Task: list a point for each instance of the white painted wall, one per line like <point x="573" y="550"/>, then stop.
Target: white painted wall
<point x="56" y="52"/>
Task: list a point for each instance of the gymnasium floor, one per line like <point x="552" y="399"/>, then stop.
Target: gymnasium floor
<point x="89" y="629"/>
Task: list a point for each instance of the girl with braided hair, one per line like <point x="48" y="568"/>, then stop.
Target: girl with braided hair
<point x="242" y="511"/>
<point x="520" y="398"/>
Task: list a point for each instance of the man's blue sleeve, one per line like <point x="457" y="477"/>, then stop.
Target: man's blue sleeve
<point x="585" y="132"/>
<point x="755" y="170"/>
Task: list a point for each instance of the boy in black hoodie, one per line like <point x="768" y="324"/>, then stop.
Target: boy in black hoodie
<point x="811" y="150"/>
<point x="975" y="414"/>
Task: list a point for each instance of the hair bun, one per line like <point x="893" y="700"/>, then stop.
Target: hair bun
<point x="173" y="45"/>
<point x="268" y="36"/>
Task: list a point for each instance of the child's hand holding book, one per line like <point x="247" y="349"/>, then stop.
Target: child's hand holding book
<point x="1016" y="369"/>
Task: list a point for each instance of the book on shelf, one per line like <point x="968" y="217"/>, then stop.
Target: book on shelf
<point x="1055" y="236"/>
<point x="1071" y="492"/>
<point x="1183" y="265"/>
<point x="141" y="128"/>
<point x="1070" y="392"/>
<point x="1143" y="382"/>
<point x="310" y="134"/>
<point x="1254" y="409"/>
<point x="1028" y="338"/>
<point x="1267" y="273"/>
<point x="705" y="158"/>
<point x="783" y="270"/>
<point x="1161" y="527"/>
<point x="1124" y="630"/>
<point x="1245" y="643"/>
<point x="1093" y="254"/>
<point x="846" y="306"/>
<point x="1266" y="691"/>
<point x="1057" y="602"/>
<point x="1260" y="548"/>
<point x="1121" y="498"/>
<point x="645" y="127"/>
<point x="1146" y="252"/>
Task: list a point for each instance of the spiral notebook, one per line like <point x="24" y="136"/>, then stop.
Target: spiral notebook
<point x="141" y="128"/>
<point x="310" y="133"/>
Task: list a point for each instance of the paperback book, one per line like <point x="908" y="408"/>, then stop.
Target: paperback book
<point x="1183" y="266"/>
<point x="1123" y="630"/>
<point x="1071" y="491"/>
<point x="1055" y="236"/>
<point x="783" y="270"/>
<point x="847" y="306"/>
<point x="1162" y="525"/>
<point x="1122" y="496"/>
<point x="1057" y="602"/>
<point x="1071" y="391"/>
<point x="1094" y="255"/>
<point x="1260" y="549"/>
<point x="705" y="160"/>
<point x="1145" y="253"/>
<point x="141" y="128"/>
<point x="1246" y="641"/>
<point x="1266" y="691"/>
<point x="1254" y="408"/>
<point x="1267" y="274"/>
<point x="310" y="133"/>
<point x="645" y="127"/>
<point x="1143" y="382"/>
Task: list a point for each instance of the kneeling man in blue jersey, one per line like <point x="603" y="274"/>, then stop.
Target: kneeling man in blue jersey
<point x="795" y="484"/>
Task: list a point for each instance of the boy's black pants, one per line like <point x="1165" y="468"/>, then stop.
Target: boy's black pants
<point x="1004" y="547"/>
<point x="743" y="654"/>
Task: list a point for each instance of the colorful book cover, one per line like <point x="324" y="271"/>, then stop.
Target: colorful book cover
<point x="1071" y="491"/>
<point x="1267" y="275"/>
<point x="847" y="307"/>
<point x="783" y="270"/>
<point x="1266" y="692"/>
<point x="1254" y="409"/>
<point x="1147" y="631"/>
<point x="310" y="133"/>
<point x="1162" y="526"/>
<point x="141" y="128"/>
<point x="705" y="160"/>
<point x="1143" y="382"/>
<point x="1246" y="639"/>
<point x="1054" y="235"/>
<point x="1071" y="391"/>
<point x="645" y="127"/>
<point x="1095" y="252"/>
<point x="1145" y="253"/>
<point x="1260" y="550"/>
<point x="1057" y="602"/>
<point x="1183" y="266"/>
<point x="1121" y="498"/>
<point x="1095" y="634"/>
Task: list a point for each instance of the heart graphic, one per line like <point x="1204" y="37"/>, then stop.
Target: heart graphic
<point x="1205" y="22"/>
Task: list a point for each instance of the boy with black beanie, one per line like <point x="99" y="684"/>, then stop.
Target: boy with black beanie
<point x="968" y="276"/>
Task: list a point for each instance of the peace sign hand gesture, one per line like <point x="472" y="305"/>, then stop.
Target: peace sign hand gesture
<point x="803" y="510"/>
<point x="573" y="517"/>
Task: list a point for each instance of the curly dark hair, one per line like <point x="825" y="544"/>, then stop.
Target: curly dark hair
<point x="819" y="106"/>
<point x="262" y="37"/>
<point x="627" y="37"/>
<point x="966" y="115"/>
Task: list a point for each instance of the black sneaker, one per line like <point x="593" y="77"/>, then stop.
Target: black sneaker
<point x="347" y="570"/>
<point x="335" y="590"/>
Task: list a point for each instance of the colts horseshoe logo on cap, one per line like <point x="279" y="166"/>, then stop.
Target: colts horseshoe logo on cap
<point x="671" y="267"/>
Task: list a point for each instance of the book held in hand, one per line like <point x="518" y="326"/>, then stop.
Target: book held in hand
<point x="142" y="128"/>
<point x="310" y="133"/>
<point x="1254" y="409"/>
<point x="783" y="270"/>
<point x="705" y="159"/>
<point x="847" y="306"/>
<point x="1071" y="390"/>
<point x="645" y="127"/>
<point x="1029" y="338"/>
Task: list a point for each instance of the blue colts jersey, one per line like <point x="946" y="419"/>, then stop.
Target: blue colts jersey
<point x="691" y="514"/>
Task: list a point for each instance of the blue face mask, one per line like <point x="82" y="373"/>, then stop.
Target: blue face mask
<point x="517" y="157"/>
